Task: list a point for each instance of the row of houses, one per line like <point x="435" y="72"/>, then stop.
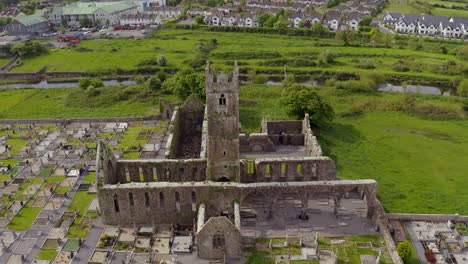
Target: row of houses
<point x="455" y="27"/>
<point x="332" y="20"/>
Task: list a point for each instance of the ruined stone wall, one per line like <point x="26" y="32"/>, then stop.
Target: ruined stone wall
<point x="284" y="127"/>
<point x="220" y="226"/>
<point x="170" y="202"/>
<point x="204" y="137"/>
<point x="172" y="140"/>
<point x="256" y="142"/>
<point x="310" y="141"/>
<point x="189" y="132"/>
<point x="159" y="170"/>
<point x="288" y="169"/>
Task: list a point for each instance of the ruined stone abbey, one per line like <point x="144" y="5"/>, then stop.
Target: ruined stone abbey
<point x="214" y="180"/>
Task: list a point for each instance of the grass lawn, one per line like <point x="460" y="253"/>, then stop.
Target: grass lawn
<point x="80" y="202"/>
<point x="47" y="254"/>
<point x="90" y="177"/>
<point x="25" y="218"/>
<point x="72" y="245"/>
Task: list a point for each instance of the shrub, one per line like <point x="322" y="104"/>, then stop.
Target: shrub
<point x="366" y="64"/>
<point x="260" y="79"/>
<point x="85" y="83"/>
<point x="365" y="84"/>
<point x="154" y="83"/>
<point x="162" y="61"/>
<point x="462" y="88"/>
<point x="400" y="66"/>
<point x="404" y="251"/>
<point x="326" y="57"/>
<point x="30" y="49"/>
<point x="140" y="80"/>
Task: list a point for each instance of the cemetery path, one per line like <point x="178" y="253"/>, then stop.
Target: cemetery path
<point x="89" y="244"/>
<point x="417" y="244"/>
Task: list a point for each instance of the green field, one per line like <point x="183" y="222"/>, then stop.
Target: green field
<point x="269" y="54"/>
<point x="17" y="104"/>
<point x="411" y="7"/>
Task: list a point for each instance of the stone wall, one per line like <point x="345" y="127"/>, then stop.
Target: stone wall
<point x="288" y="169"/>
<point x="284" y="127"/>
<point x="172" y="139"/>
<point x="429" y="217"/>
<point x="77" y="120"/>
<point x="171" y="202"/>
<point x="220" y="227"/>
<point x="256" y="142"/>
<point x="159" y="170"/>
<point x="310" y="141"/>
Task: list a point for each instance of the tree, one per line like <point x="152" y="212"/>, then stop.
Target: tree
<point x="162" y="61"/>
<point x="302" y="24"/>
<point x="318" y="28"/>
<point x="404" y="251"/>
<point x="243" y="2"/>
<point x="154" y="83"/>
<point x="98" y="22"/>
<point x="263" y="18"/>
<point x="301" y="100"/>
<point x="184" y="83"/>
<point x="365" y="21"/>
<point x="85" y="22"/>
<point x="462" y="88"/>
<point x="199" y="20"/>
<point x="346" y="36"/>
<point x="326" y="57"/>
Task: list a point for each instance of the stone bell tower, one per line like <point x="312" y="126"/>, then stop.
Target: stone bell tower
<point x="222" y="99"/>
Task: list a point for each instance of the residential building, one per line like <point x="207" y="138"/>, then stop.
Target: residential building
<point x="139" y="19"/>
<point x="28" y="25"/>
<point x="165" y="12"/>
<point x="103" y="13"/>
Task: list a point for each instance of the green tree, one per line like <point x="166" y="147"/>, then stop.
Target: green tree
<point x="263" y="18"/>
<point x="199" y="20"/>
<point x="300" y="100"/>
<point x="162" y="61"/>
<point x="326" y="57"/>
<point x="97" y="22"/>
<point x="85" y="22"/>
<point x="365" y="21"/>
<point x="154" y="83"/>
<point x="302" y="24"/>
<point x="462" y="88"/>
<point x="404" y="251"/>
<point x="184" y="83"/>
<point x="346" y="36"/>
<point x="318" y="28"/>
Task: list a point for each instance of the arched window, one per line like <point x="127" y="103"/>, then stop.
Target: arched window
<point x="222" y="100"/>
<point x="130" y="199"/>
<point x="147" y="200"/>
<point x="116" y="203"/>
<point x="177" y="201"/>
<point x="161" y="200"/>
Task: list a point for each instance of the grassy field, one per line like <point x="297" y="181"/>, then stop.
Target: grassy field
<point x="411" y="7"/>
<point x="56" y="103"/>
<point x="269" y="54"/>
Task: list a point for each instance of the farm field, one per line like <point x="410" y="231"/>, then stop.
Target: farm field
<point x="425" y="174"/>
<point x="411" y="7"/>
<point x="269" y="54"/>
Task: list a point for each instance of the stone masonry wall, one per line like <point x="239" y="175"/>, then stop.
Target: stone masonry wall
<point x="288" y="169"/>
<point x="170" y="202"/>
<point x="310" y="141"/>
<point x="159" y="170"/>
<point x="172" y="140"/>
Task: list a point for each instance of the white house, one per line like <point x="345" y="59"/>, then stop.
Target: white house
<point x="139" y="20"/>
